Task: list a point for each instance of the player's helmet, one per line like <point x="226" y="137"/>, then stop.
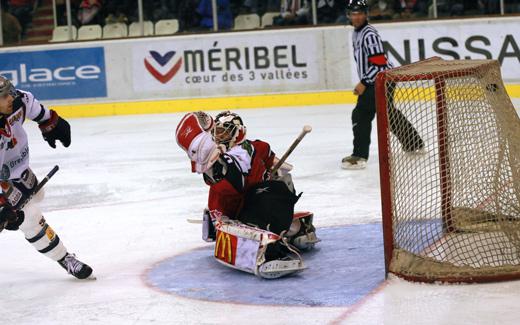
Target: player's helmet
<point x="6" y="87"/>
<point x="357" y="6"/>
<point x="229" y="129"/>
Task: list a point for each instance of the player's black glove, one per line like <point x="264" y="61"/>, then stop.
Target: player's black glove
<point x="55" y="128"/>
<point x="10" y="219"/>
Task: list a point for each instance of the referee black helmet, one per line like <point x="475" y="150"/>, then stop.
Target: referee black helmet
<point x="357" y="6"/>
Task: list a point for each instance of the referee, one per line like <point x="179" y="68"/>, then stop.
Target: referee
<point x="370" y="60"/>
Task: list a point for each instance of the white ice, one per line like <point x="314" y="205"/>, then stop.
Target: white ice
<point x="120" y="202"/>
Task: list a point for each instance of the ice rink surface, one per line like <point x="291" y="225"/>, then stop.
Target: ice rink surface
<point x="121" y="200"/>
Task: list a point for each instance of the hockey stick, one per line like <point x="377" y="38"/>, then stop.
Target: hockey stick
<point x="306" y="129"/>
<point x="40" y="186"/>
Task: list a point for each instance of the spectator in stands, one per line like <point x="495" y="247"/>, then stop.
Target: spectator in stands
<point x="23" y="11"/>
<point x="118" y="11"/>
<point x="404" y="8"/>
<point x="225" y="18"/>
<point x="381" y="10"/>
<point x="331" y="11"/>
<point x="464" y="7"/>
<point x="512" y="6"/>
<point x="156" y="10"/>
<point x="61" y="12"/>
<point x="421" y="8"/>
<point x="292" y="12"/>
<point x="89" y="12"/>
<point x="188" y="17"/>
<point x="489" y="7"/>
<point x="260" y="6"/>
<point x="11" y="28"/>
<point x="327" y="12"/>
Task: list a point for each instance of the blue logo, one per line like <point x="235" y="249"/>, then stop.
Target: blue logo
<point x="57" y="74"/>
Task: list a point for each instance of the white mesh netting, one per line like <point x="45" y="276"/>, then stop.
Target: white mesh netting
<point x="454" y="171"/>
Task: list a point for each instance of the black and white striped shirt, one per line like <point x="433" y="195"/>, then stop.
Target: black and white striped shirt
<point x="369" y="54"/>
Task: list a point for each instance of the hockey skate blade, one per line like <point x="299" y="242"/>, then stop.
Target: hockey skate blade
<point x="91" y="277"/>
<point x="417" y="153"/>
<point x="194" y="221"/>
<point x="277" y="268"/>
<point x="354" y="167"/>
<point x="306" y="242"/>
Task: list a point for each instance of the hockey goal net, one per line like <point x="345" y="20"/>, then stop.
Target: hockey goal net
<point x="449" y="150"/>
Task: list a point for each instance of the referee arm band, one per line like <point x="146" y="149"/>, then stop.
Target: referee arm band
<point x="378" y="59"/>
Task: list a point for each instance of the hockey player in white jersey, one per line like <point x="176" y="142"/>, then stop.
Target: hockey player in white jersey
<point x="17" y="180"/>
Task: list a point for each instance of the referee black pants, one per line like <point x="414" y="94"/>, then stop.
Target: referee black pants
<point x="362" y="118"/>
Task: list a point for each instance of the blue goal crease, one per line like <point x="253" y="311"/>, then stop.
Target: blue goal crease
<point x="344" y="268"/>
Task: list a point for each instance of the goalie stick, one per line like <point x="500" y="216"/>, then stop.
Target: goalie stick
<point x="306" y="129"/>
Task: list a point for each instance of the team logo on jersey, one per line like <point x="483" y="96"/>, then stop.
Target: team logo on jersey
<point x="12" y="143"/>
<point x="15" y="117"/>
<point x="162" y="67"/>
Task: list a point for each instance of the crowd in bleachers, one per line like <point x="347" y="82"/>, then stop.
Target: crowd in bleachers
<point x="16" y="18"/>
<point x="403" y="9"/>
<point x="197" y="15"/>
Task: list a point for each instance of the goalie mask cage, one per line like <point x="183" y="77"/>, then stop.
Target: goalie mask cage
<point x="451" y="210"/>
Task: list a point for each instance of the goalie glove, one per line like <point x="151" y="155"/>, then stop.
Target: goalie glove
<point x="55" y="128"/>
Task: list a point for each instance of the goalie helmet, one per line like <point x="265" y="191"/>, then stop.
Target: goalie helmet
<point x="194" y="137"/>
<point x="229" y="129"/>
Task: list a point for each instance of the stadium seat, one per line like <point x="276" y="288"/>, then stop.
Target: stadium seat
<point x="90" y="32"/>
<point x="135" y="29"/>
<point x="267" y="18"/>
<point x="247" y="22"/>
<point x="117" y="30"/>
<point x="61" y="34"/>
<point x="166" y="27"/>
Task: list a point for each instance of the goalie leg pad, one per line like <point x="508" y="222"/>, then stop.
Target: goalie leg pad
<point x="244" y="247"/>
<point x="40" y="235"/>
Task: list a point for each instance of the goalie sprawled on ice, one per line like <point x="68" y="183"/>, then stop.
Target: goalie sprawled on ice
<point x="250" y="211"/>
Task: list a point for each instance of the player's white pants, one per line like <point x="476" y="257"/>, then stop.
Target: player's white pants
<point x="39" y="233"/>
